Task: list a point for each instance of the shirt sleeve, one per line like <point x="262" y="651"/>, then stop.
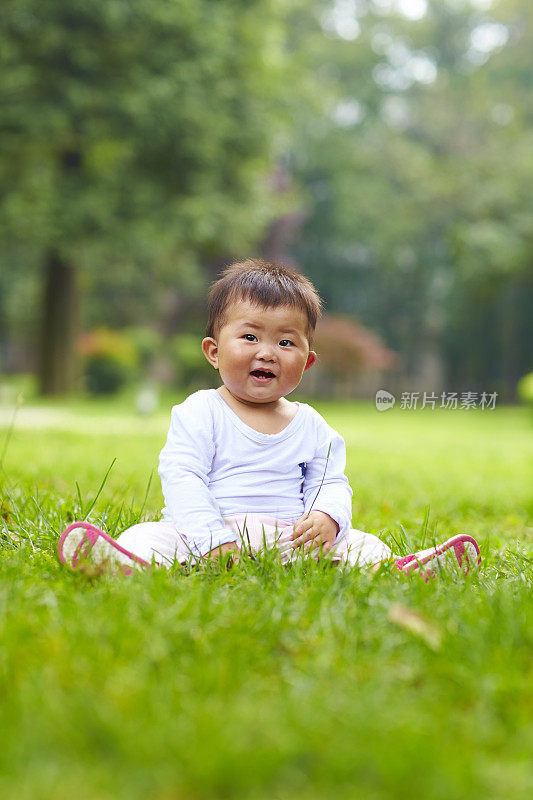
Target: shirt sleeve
<point x="184" y="466"/>
<point x="334" y="496"/>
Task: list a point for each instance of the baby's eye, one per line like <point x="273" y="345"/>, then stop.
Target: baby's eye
<point x="285" y="342"/>
<point x="250" y="337"/>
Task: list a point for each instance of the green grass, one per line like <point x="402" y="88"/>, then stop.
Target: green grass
<point x="267" y="681"/>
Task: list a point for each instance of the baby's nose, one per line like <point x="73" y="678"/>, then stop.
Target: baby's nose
<point x="266" y="352"/>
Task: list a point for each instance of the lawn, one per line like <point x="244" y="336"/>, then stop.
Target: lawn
<point x="266" y="681"/>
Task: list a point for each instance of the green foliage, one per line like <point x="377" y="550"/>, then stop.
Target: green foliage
<point x="418" y="167"/>
<point x="137" y="138"/>
<point x="267" y="681"/>
<point x="109" y="360"/>
<point x="135" y="143"/>
<point x="191" y="366"/>
<point x="14" y="386"/>
<point x="525" y="389"/>
<point x="134" y="126"/>
<point x="148" y="344"/>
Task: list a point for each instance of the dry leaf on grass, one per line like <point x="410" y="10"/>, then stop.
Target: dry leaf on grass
<point x="415" y="623"/>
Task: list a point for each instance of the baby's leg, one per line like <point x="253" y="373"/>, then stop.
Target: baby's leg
<point x="457" y="555"/>
<point x="257" y="532"/>
<point x="162" y="542"/>
<point x="158" y="541"/>
<point x="84" y="544"/>
<point x="361" y="549"/>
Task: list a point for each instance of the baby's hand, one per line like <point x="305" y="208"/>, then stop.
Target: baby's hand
<point x="314" y="529"/>
<point x="228" y="548"/>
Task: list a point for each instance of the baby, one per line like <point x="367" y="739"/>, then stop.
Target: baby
<point x="243" y="467"/>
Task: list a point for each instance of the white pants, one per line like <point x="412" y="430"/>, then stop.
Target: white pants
<point x="163" y="542"/>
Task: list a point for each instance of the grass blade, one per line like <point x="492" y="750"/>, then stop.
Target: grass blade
<point x="98" y="493"/>
<point x="20" y="400"/>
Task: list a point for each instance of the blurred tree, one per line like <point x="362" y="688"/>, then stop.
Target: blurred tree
<point x="492" y="239"/>
<point x="135" y="142"/>
<point x="417" y="164"/>
<point x="136" y="137"/>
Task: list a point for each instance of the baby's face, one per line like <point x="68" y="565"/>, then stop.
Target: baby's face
<point x="261" y="353"/>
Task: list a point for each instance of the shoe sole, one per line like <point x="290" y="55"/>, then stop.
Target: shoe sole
<point x="460" y="552"/>
<point x="83" y="542"/>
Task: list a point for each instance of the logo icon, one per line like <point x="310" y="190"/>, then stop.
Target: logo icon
<point x="384" y="400"/>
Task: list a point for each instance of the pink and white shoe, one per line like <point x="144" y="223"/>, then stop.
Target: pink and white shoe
<point x="460" y="553"/>
<point x="83" y="544"/>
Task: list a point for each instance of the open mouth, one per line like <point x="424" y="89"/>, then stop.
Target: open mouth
<point x="262" y="374"/>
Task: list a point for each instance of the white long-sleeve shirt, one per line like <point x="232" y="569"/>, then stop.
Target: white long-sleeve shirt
<point x="213" y="466"/>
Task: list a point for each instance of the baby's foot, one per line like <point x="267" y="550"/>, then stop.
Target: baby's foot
<point x="458" y="554"/>
<point x="85" y="547"/>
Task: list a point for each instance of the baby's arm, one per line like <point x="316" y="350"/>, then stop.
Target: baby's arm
<point x="184" y="465"/>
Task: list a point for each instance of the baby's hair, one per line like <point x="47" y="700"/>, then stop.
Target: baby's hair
<point x="263" y="283"/>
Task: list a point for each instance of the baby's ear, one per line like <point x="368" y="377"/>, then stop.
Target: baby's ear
<point x="311" y="358"/>
<point x="210" y="351"/>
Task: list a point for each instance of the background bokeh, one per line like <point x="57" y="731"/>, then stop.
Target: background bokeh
<point x="384" y="147"/>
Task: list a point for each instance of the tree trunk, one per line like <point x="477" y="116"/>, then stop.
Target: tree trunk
<point x="57" y="365"/>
